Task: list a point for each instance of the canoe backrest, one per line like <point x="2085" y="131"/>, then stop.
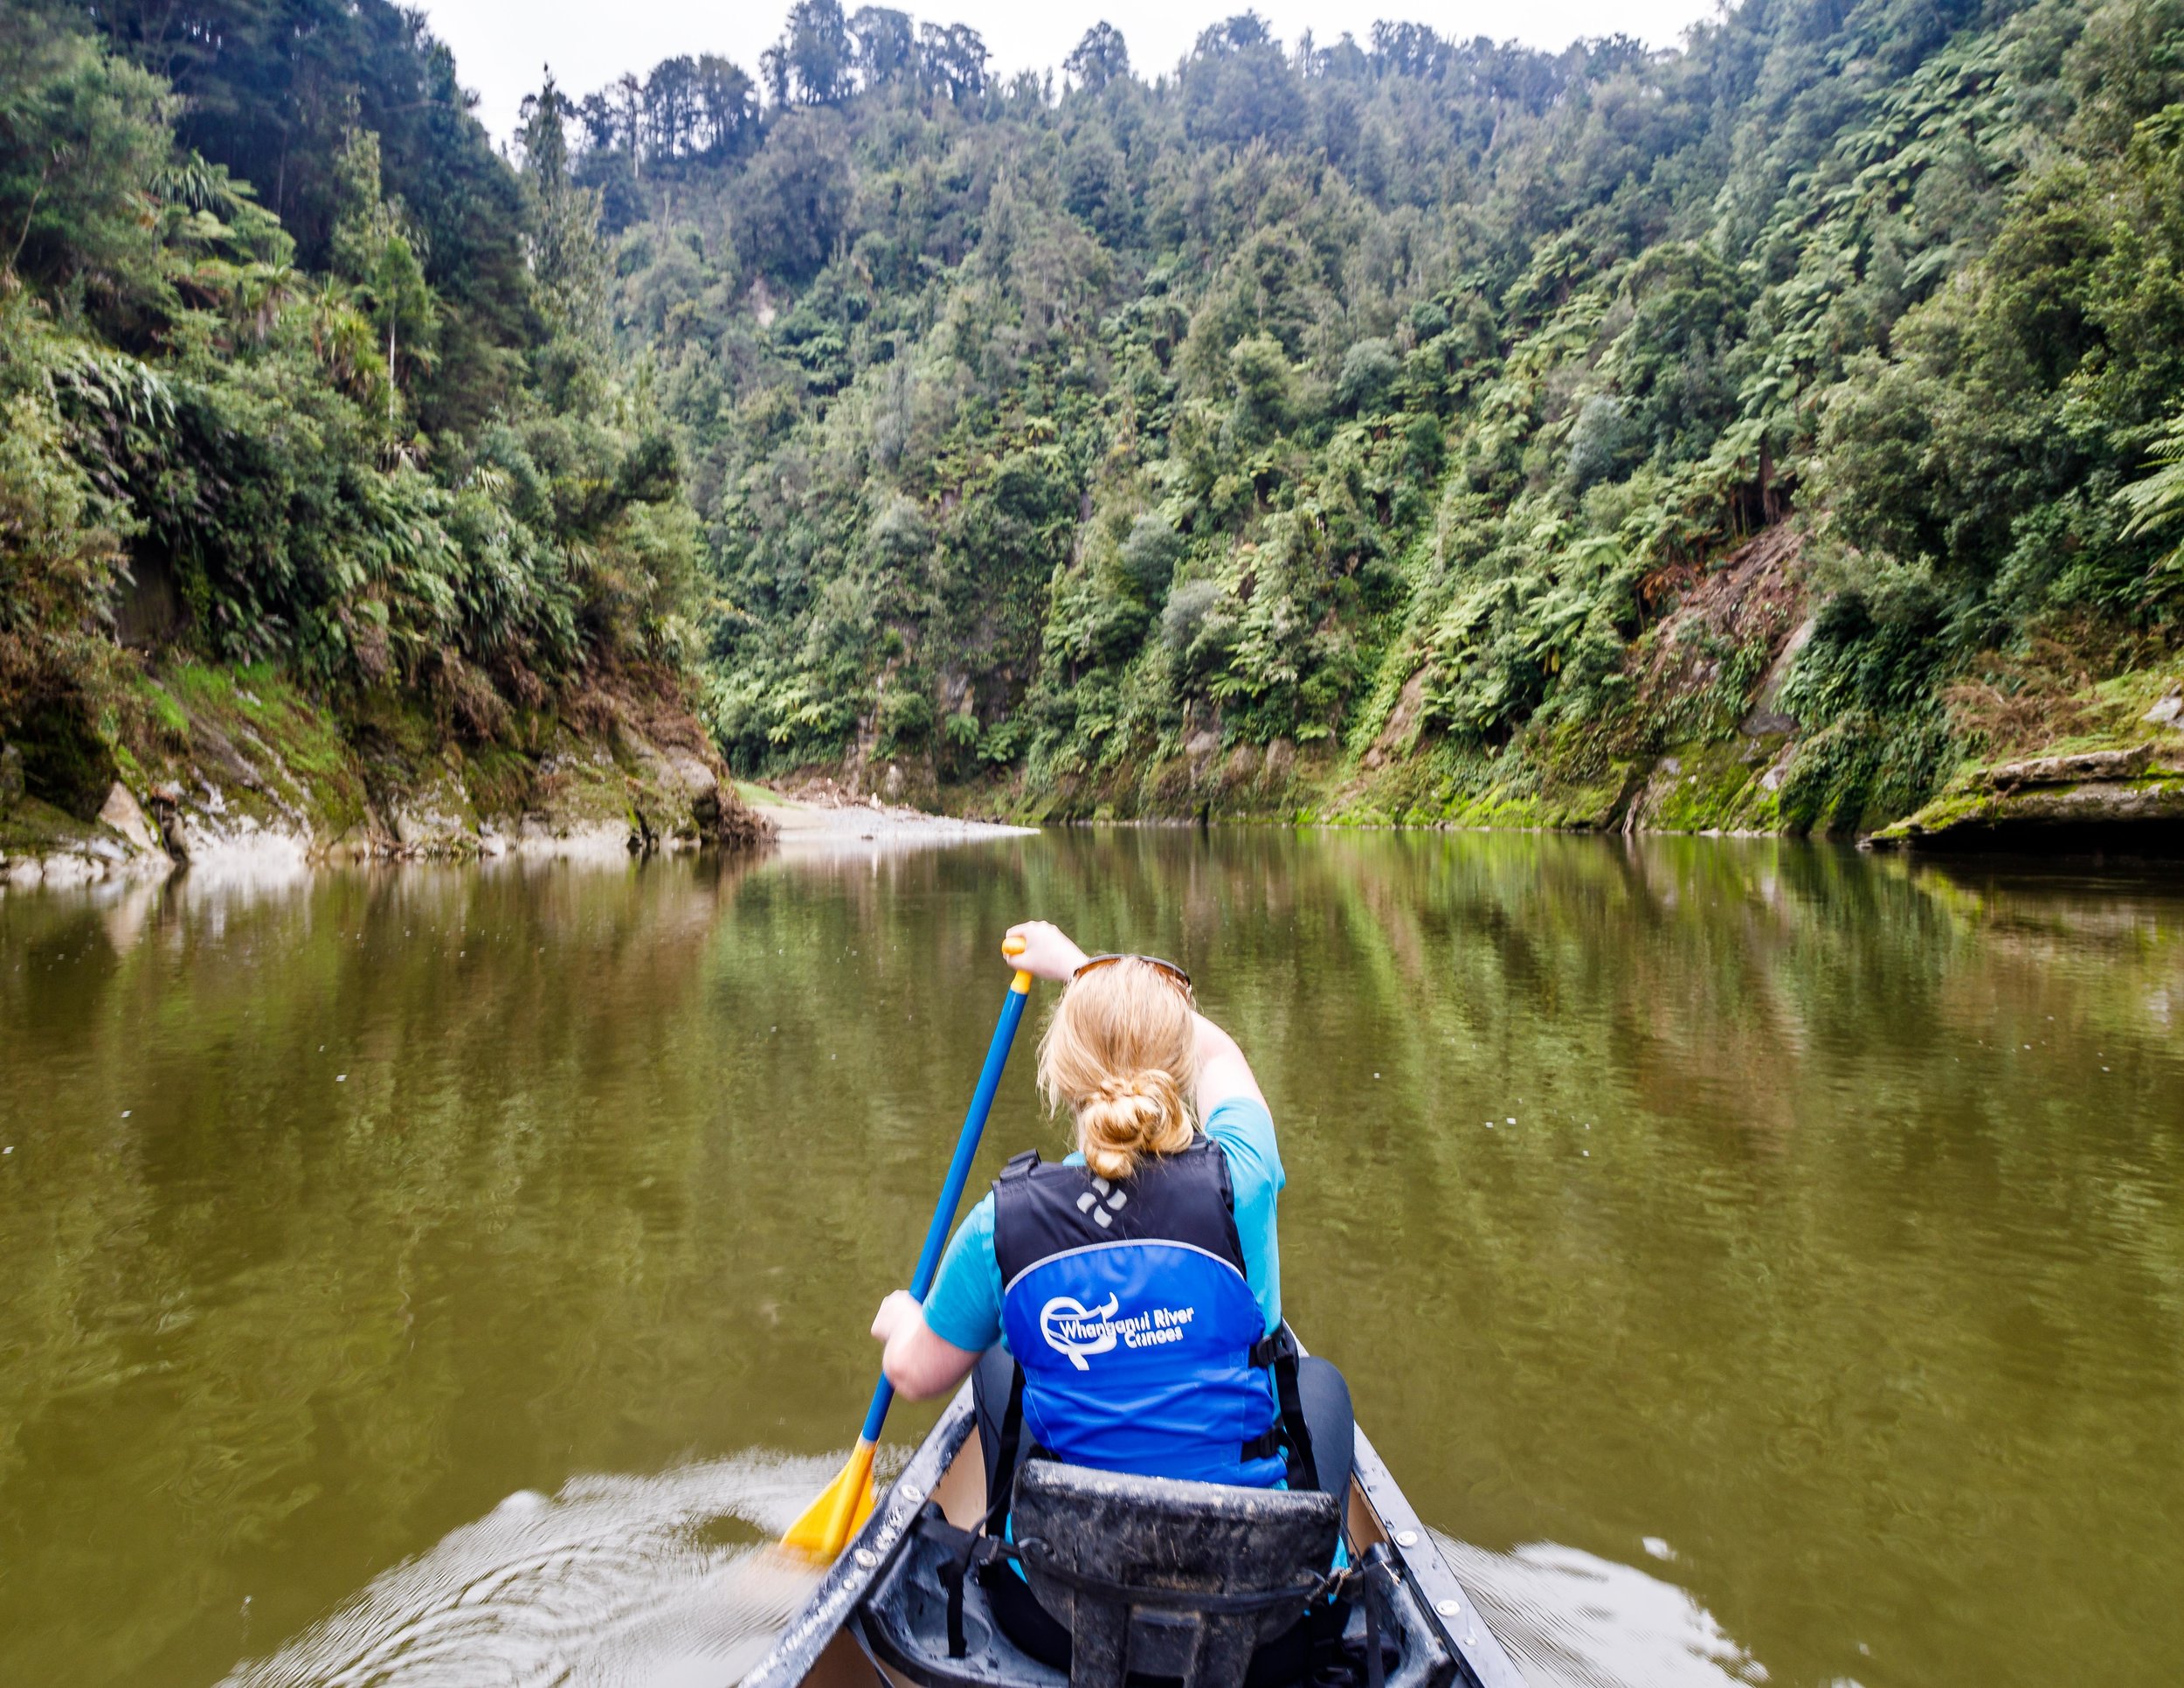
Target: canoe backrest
<point x="1166" y="1578"/>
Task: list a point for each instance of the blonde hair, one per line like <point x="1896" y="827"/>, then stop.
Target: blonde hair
<point x="1121" y="1051"/>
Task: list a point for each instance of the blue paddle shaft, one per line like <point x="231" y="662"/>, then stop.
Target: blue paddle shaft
<point x="997" y="1057"/>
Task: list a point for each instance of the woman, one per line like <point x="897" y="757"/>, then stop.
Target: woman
<point x="1127" y="1301"/>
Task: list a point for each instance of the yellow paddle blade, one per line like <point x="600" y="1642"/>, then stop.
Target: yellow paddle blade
<point x="838" y="1514"/>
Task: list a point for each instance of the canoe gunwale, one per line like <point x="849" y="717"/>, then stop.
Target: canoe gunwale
<point x="1480" y="1660"/>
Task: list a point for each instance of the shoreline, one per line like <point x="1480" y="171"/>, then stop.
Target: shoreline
<point x="820" y="817"/>
<point x="129" y="847"/>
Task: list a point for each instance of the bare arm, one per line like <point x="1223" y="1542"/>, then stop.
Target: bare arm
<point x="1223" y="1072"/>
<point x="919" y="1364"/>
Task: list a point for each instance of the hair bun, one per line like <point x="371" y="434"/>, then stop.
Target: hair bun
<point x="1128" y="1115"/>
<point x="1121" y="1051"/>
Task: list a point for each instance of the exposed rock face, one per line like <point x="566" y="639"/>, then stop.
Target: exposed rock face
<point x="1399" y="735"/>
<point x="2095" y="766"/>
<point x="1751" y="615"/>
<point x="122" y="812"/>
<point x="40" y="844"/>
<point x="263" y="783"/>
<point x="2118" y="796"/>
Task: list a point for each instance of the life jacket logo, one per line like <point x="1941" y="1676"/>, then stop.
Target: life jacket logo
<point x="1074" y="1330"/>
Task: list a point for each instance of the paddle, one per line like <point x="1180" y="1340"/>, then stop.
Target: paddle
<point x="826" y="1526"/>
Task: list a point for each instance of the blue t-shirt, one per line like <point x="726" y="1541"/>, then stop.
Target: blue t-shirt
<point x="964" y="1307"/>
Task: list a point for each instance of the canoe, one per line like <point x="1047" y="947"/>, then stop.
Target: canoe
<point x="877" y="1618"/>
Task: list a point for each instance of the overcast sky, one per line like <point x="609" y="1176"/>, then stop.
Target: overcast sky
<point x="502" y="46"/>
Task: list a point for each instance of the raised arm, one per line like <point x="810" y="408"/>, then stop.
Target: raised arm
<point x="1222" y="1071"/>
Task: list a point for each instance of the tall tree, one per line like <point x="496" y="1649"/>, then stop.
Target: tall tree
<point x="727" y="102"/>
<point x="1099" y="58"/>
<point x="814" y="62"/>
<point x="951" y="61"/>
<point x="373" y="250"/>
<point x="886" y="45"/>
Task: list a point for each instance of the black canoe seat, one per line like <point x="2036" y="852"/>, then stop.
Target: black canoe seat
<point x="1161" y="1577"/>
<point x="1154" y="1578"/>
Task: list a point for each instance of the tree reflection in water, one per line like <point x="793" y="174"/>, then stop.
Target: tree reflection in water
<point x="1837" y="1241"/>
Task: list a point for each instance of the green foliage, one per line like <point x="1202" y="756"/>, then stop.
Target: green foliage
<point x="1993" y="439"/>
<point x="2156" y="503"/>
<point x="1868" y="674"/>
<point x="1263" y="397"/>
<point x="271" y="88"/>
<point x="82" y="135"/>
<point x="287" y="446"/>
<point x="1377" y="393"/>
<point x="61" y="540"/>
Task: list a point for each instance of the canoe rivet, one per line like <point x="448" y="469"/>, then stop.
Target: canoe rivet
<point x="1406" y="1538"/>
<point x="1449" y="1607"/>
<point x="865" y="1558"/>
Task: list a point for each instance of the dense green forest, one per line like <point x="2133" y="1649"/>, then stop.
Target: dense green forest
<point x="1399" y="408"/>
<point x="1763" y="433"/>
<point x="304" y="381"/>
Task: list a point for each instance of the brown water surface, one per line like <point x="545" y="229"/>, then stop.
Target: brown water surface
<point x="1763" y="1263"/>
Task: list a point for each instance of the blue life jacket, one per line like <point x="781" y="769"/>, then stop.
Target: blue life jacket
<point x="1142" y="1346"/>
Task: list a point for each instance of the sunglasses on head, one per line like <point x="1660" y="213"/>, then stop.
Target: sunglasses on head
<point x="1167" y="970"/>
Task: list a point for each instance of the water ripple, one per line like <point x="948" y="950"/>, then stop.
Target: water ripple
<point x="616" y="1579"/>
<point x="624" y="1581"/>
<point x="1573" y="1620"/>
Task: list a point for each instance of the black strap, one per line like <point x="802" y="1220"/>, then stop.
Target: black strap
<point x="1376" y="1671"/>
<point x="962" y="1546"/>
<point x="1289" y="1435"/>
<point x="978" y="1544"/>
<point x="1303" y="1469"/>
<point x="953" y="1569"/>
<point x="977" y="1549"/>
<point x="1375" y="1564"/>
<point x="1004" y="1495"/>
<point x="1018" y="1165"/>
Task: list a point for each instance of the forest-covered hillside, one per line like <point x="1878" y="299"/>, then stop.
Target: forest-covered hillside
<point x="1782" y="431"/>
<point x="320" y="485"/>
<point x="1757" y="433"/>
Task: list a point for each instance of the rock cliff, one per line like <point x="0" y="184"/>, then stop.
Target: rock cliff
<point x="225" y="770"/>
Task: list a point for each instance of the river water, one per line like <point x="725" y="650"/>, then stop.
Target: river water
<point x="1761" y="1262"/>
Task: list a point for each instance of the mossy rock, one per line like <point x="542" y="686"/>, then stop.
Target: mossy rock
<point x="31" y="827"/>
<point x="276" y="755"/>
<point x="2150" y="807"/>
